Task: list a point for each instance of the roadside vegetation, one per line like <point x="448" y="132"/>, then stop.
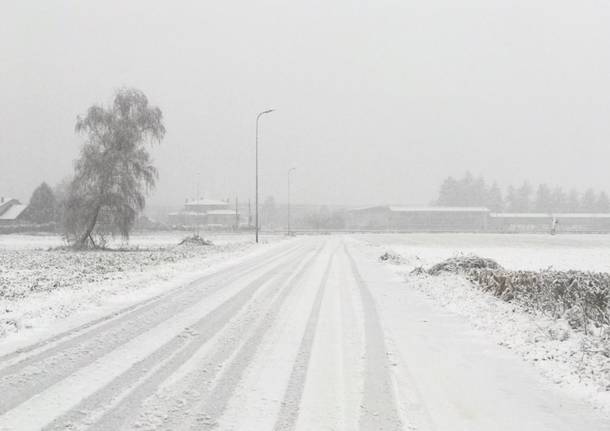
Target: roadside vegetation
<point x="558" y="320"/>
<point x="581" y="298"/>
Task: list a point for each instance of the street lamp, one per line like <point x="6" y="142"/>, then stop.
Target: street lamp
<point x="256" y="199"/>
<point x="289" y="172"/>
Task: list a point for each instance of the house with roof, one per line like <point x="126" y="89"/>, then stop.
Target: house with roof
<point x="209" y="213"/>
<point x="10" y="210"/>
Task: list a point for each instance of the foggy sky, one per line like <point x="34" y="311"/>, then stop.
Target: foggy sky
<point x="376" y="101"/>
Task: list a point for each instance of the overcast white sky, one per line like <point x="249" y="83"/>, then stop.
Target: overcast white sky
<point x="376" y="101"/>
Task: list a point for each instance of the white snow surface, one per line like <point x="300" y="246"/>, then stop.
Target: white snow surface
<point x="577" y="363"/>
<point x="512" y="251"/>
<point x="311" y="333"/>
<point x="45" y="290"/>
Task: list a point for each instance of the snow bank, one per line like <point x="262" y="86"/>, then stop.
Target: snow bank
<point x="578" y="362"/>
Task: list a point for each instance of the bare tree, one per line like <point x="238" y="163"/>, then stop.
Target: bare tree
<point x="114" y="171"/>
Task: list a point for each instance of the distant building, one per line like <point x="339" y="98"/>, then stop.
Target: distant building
<point x="541" y="222"/>
<point x="472" y="219"/>
<point x="414" y="219"/>
<point x="10" y="210"/>
<point x="208" y="213"/>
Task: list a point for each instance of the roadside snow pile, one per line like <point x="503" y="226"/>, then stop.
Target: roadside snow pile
<point x="463" y="264"/>
<point x="195" y="240"/>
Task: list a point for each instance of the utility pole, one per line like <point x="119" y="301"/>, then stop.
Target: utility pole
<point x="256" y="151"/>
<point x="289" y="172"/>
<point x="196" y="217"/>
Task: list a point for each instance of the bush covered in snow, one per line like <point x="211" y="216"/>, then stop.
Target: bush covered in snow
<point x="463" y="263"/>
<point x="195" y="240"/>
<point x="581" y="298"/>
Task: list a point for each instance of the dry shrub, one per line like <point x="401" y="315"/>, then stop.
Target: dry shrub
<point x="582" y="298"/>
<point x="463" y="263"/>
<point x="391" y="257"/>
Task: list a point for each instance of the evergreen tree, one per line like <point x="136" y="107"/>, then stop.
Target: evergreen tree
<point x="478" y="192"/>
<point x="42" y="207"/>
<point x="524" y="201"/>
<point x="559" y="200"/>
<point x="494" y="200"/>
<point x="543" y="202"/>
<point x="589" y="201"/>
<point x="465" y="196"/>
<point x="603" y="203"/>
<point x="512" y="202"/>
<point x="448" y="193"/>
<point x="573" y="202"/>
<point x="471" y="191"/>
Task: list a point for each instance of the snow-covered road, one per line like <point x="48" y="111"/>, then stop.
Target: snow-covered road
<point x="309" y="335"/>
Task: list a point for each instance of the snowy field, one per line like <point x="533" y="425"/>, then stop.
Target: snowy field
<point x="137" y="240"/>
<point x="512" y="251"/>
<point x="307" y="333"/>
<point x="41" y="285"/>
<point x="577" y="363"/>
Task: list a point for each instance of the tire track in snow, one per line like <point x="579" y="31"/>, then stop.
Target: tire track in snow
<point x="332" y="393"/>
<point x="379" y="411"/>
<point x="22" y="380"/>
<point x="121" y="399"/>
<point x="218" y="397"/>
<point x="289" y="409"/>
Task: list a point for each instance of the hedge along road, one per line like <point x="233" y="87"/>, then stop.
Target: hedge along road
<point x="310" y="335"/>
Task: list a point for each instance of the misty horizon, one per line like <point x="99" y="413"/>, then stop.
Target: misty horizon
<point x="374" y="103"/>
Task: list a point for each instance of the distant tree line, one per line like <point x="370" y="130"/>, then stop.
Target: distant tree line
<point x="470" y="191"/>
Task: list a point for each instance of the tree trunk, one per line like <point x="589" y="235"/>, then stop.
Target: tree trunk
<point x="87" y="234"/>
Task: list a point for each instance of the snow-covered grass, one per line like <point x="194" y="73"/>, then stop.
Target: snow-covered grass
<point x="41" y="284"/>
<point x="512" y="251"/>
<point x="577" y="361"/>
<point x="137" y="240"/>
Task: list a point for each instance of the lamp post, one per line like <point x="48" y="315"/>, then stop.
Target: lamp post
<point x="289" y="172"/>
<point x="256" y="199"/>
<point x="196" y="218"/>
